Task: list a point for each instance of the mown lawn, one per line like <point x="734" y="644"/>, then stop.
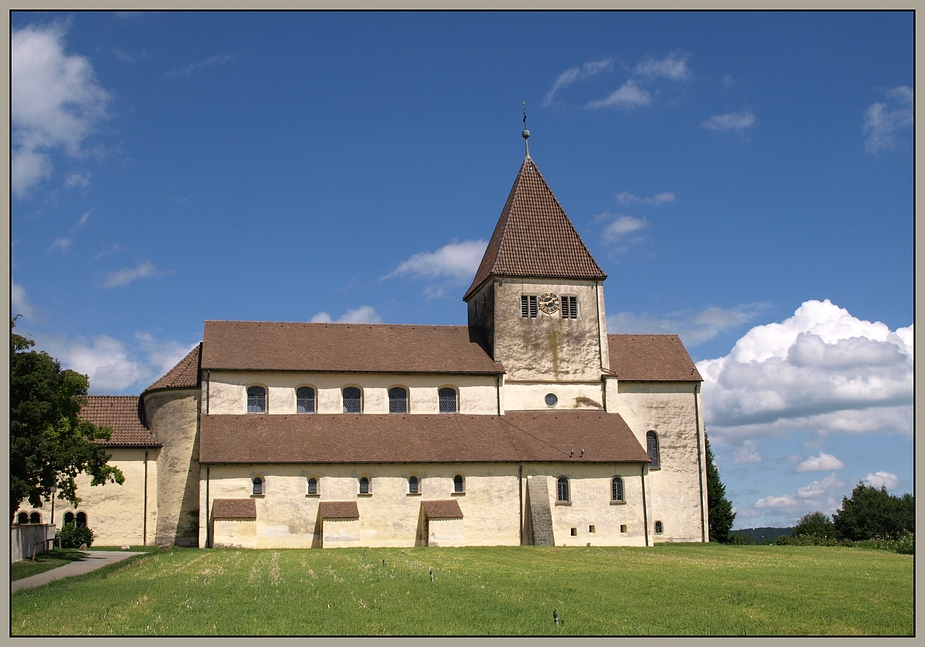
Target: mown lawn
<point x="44" y="562"/>
<point x="691" y="589"/>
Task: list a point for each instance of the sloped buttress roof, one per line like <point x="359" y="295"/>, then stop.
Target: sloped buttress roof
<point x="185" y="375"/>
<point x="534" y="237"/>
<point x="119" y="413"/>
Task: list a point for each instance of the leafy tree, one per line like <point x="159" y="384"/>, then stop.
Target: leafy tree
<point x="874" y="513"/>
<point x="49" y="443"/>
<point x="815" y="524"/>
<point x="719" y="509"/>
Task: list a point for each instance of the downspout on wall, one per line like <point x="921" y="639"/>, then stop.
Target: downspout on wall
<point x="208" y="524"/>
<point x="520" y="491"/>
<point x="645" y="512"/>
<point x="144" y="517"/>
<point x="704" y="512"/>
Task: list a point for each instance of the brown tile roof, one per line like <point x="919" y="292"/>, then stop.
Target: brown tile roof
<point x="534" y="237"/>
<point x="338" y="510"/>
<point x="254" y="345"/>
<point x="184" y="375"/>
<point x="119" y="413"/>
<point x="234" y="509"/>
<point x="442" y="509"/>
<point x="651" y="358"/>
<point x="394" y="438"/>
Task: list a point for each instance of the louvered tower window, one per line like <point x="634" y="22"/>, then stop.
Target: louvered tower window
<point x="569" y="307"/>
<point x="528" y="307"/>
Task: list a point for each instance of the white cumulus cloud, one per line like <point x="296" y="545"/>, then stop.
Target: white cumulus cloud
<point x="621" y="226"/>
<point x="820" y="370"/>
<point x="363" y="314"/>
<point x="673" y="66"/>
<point x="737" y="122"/>
<point x="456" y="260"/>
<point x="748" y="453"/>
<point x="821" y="463"/>
<point x="882" y="479"/>
<point x="628" y="95"/>
<point x="19" y="304"/>
<point x="55" y="102"/>
<point x="882" y="120"/>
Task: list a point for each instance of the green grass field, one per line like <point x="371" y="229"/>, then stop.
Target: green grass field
<point x="44" y="562"/>
<point x="691" y="589"/>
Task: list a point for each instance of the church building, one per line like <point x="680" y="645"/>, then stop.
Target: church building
<point x="529" y="425"/>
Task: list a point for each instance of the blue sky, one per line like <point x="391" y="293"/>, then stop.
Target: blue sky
<point x="745" y="180"/>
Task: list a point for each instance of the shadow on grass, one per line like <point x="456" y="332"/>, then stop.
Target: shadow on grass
<point x="44" y="562"/>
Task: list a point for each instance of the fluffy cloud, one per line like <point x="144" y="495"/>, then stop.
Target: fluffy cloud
<point x="125" y="276"/>
<point x="748" y="453"/>
<point x="693" y="328"/>
<point x="626" y="198"/>
<point x="55" y="103"/>
<point x="19" y="303"/>
<point x="821" y="370"/>
<point x="456" y="260"/>
<point x="363" y="314"/>
<point x="822" y="496"/>
<point x="882" y="120"/>
<point x="574" y="74"/>
<point x="78" y="179"/>
<point x="673" y="66"/>
<point x="821" y="463"/>
<point x="111" y="365"/>
<point x="621" y="226"/>
<point x="882" y="479"/>
<point x="737" y="122"/>
<point x="628" y="95"/>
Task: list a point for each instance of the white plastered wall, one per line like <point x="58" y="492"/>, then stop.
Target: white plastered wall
<point x="675" y="493"/>
<point x="227" y="391"/>
<point x="115" y="513"/>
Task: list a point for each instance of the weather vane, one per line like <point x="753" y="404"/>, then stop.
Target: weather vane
<point x="526" y="133"/>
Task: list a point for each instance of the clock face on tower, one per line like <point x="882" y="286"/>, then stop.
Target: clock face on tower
<point x="549" y="302"/>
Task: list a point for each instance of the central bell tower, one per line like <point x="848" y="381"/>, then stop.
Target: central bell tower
<point x="537" y="300"/>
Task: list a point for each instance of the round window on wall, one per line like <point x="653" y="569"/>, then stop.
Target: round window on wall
<point x="551" y="400"/>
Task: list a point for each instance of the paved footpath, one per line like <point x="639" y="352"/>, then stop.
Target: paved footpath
<point x="93" y="561"/>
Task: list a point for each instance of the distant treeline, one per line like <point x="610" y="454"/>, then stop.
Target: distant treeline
<point x="759" y="535"/>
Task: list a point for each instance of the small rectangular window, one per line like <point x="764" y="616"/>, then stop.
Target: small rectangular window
<point x="622" y="527"/>
<point x="574" y="532"/>
<point x="528" y="307"/>
<point x="591" y="528"/>
<point x="570" y="307"/>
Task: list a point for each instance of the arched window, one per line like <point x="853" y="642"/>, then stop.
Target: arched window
<point x="413" y="485"/>
<point x="313" y="485"/>
<point x="305" y="399"/>
<point x="659" y="529"/>
<point x="458" y="484"/>
<point x="562" y="494"/>
<point x="364" y="485"/>
<point x="448" y="400"/>
<point x="256" y="399"/>
<point x="81" y="518"/>
<point x="398" y="400"/>
<point x="616" y="489"/>
<point x="652" y="448"/>
<point x="23" y="518"/>
<point x="68" y="517"/>
<point x="35" y="517"/>
<point x="353" y="400"/>
<point x="257" y="484"/>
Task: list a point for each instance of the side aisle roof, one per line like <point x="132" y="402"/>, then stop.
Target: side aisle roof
<point x="651" y="358"/>
<point x="119" y="413"/>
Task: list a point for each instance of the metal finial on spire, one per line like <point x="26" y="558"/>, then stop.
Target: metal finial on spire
<point x="526" y="133"/>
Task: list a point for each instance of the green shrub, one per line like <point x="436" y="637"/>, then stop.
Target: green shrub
<point x="812" y="540"/>
<point x="73" y="536"/>
<point x="905" y="545"/>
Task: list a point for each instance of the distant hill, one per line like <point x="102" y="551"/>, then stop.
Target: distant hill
<point x="763" y="535"/>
